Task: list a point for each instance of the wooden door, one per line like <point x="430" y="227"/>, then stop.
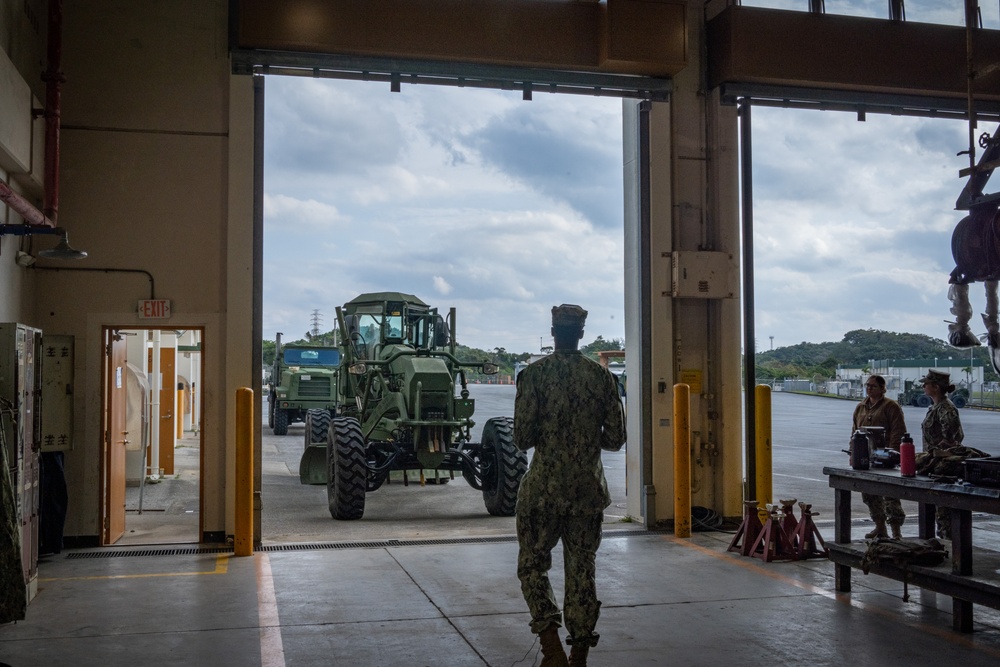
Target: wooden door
<point x="115" y="436"/>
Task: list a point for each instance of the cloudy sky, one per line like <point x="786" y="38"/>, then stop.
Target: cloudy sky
<point x="503" y="208"/>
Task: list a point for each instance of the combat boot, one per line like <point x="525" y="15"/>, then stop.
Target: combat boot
<point x="578" y="656"/>
<point x="553" y="654"/>
<point x="878" y="531"/>
<point x="897" y="530"/>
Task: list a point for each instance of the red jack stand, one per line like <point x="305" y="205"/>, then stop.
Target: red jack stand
<point x="788" y="521"/>
<point x="807" y="536"/>
<point x="748" y="530"/>
<point x="773" y="543"/>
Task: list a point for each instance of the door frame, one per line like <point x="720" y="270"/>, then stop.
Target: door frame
<point x="103" y="489"/>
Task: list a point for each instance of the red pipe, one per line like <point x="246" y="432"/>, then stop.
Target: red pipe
<point x="31" y="215"/>
<point x="54" y="79"/>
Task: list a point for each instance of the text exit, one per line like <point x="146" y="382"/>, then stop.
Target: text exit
<point x="154" y="309"/>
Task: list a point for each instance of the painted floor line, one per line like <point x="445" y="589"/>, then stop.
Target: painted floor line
<point x="272" y="650"/>
<point x="221" y="567"/>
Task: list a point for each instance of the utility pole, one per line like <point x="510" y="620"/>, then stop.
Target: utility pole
<point x="316" y="319"/>
<point x="772" y="341"/>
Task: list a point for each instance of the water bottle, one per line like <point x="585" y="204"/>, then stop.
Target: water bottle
<point x="860" y="451"/>
<point x="907" y="457"/>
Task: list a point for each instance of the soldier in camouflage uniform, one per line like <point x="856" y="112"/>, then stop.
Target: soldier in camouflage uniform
<point x="941" y="428"/>
<point x="877" y="410"/>
<point x="568" y="409"/>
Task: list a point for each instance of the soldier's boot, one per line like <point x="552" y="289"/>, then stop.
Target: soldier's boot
<point x="878" y="531"/>
<point x="897" y="532"/>
<point x="553" y="654"/>
<point x="578" y="656"/>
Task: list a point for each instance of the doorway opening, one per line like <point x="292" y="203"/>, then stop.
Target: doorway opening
<point x="153" y="448"/>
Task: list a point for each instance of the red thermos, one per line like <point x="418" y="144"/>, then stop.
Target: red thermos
<point x="907" y="457"/>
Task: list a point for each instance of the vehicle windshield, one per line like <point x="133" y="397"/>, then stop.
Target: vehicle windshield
<point x="314" y="357"/>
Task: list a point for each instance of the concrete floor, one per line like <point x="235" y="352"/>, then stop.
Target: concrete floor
<point x="457" y="602"/>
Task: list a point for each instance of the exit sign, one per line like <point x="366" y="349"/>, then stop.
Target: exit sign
<point x="154" y="309"/>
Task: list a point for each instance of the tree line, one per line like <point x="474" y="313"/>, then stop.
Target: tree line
<point x="506" y="361"/>
<point x="857" y="349"/>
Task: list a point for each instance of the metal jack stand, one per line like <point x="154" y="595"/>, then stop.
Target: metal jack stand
<point x="773" y="543"/>
<point x="748" y="530"/>
<point x="789" y="524"/>
<point x="807" y="536"/>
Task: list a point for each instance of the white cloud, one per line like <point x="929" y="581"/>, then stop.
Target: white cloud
<point x="441" y="286"/>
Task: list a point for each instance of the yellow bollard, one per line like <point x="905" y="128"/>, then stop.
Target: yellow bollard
<point x="762" y="421"/>
<point x="243" y="534"/>
<point x="682" y="460"/>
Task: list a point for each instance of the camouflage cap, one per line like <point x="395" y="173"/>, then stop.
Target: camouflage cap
<point x="935" y="377"/>
<point x="568" y="315"/>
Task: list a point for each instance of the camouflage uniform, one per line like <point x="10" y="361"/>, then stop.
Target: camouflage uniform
<point x="567" y="408"/>
<point x="942" y="428"/>
<point x="887" y="414"/>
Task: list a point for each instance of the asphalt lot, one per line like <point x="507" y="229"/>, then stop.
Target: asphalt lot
<point x="809" y="433"/>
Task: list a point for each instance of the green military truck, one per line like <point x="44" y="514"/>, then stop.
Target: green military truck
<point x="914" y="395"/>
<point x="303" y="378"/>
<point x="403" y="405"/>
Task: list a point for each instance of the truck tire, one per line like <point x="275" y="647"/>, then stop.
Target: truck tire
<point x="959" y="401"/>
<point x="317" y="425"/>
<point x="923" y="401"/>
<point x="503" y="466"/>
<point x="270" y="411"/>
<point x="280" y="422"/>
<point x="347" y="480"/>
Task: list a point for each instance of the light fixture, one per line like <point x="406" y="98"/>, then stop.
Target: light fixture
<point x="62" y="249"/>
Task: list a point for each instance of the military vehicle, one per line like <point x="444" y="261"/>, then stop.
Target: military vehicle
<point x="303" y="378"/>
<point x="398" y="410"/>
<point x="914" y="395"/>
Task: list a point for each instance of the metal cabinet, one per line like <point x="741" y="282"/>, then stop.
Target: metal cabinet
<point x="20" y="419"/>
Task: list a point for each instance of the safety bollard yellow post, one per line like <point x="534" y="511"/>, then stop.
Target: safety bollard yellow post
<point x="682" y="460"/>
<point x="762" y="421"/>
<point x="243" y="533"/>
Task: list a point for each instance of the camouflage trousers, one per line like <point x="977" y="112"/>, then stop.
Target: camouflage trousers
<point x="882" y="508"/>
<point x="537" y="536"/>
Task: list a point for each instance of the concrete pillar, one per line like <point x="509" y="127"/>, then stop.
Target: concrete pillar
<point x="682" y="194"/>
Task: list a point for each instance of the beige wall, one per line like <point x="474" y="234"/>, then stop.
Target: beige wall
<point x="147" y="182"/>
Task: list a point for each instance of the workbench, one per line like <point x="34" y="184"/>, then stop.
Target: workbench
<point x="966" y="582"/>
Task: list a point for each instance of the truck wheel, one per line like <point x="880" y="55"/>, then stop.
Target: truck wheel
<point x="503" y="466"/>
<point x="923" y="401"/>
<point x="348" y="473"/>
<point x="317" y="425"/>
<point x="959" y="401"/>
<point x="280" y="422"/>
<point x="270" y="411"/>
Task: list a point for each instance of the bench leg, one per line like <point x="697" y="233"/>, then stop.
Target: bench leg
<point x="842" y="535"/>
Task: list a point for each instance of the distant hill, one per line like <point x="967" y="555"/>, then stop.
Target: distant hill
<point x="857" y="348"/>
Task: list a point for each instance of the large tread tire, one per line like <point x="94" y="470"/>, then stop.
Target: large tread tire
<point x="347" y="480"/>
<point x="280" y="422"/>
<point x="506" y="466"/>
<point x="959" y="402"/>
<point x="317" y="426"/>
<point x="924" y="401"/>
